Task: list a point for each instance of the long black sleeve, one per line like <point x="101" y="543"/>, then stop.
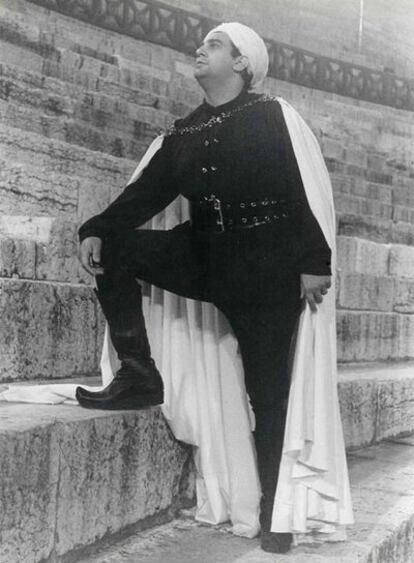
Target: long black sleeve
<point x="140" y="201"/>
<point x="315" y="254"/>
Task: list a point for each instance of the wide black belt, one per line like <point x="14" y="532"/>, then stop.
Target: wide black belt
<point x="210" y="214"/>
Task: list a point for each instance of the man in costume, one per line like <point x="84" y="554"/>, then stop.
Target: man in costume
<point x="253" y="247"/>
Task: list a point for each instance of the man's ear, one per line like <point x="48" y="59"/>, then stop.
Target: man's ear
<point x="240" y="63"/>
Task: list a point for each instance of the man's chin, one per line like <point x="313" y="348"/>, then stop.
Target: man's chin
<point x="199" y="75"/>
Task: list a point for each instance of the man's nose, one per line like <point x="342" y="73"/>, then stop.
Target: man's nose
<point x="200" y="51"/>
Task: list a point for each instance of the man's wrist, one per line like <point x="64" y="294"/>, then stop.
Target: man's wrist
<point x="87" y="233"/>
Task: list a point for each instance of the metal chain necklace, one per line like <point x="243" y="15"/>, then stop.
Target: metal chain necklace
<point x="216" y="119"/>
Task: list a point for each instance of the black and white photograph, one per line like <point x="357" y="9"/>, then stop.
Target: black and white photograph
<point x="206" y="281"/>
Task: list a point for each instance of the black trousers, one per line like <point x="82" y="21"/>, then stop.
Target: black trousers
<point x="252" y="277"/>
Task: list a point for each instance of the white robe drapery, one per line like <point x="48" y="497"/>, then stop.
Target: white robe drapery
<point x="205" y="399"/>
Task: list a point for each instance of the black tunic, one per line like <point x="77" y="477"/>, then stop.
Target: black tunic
<point x="246" y="156"/>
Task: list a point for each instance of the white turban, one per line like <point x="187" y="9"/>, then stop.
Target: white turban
<point x="250" y="45"/>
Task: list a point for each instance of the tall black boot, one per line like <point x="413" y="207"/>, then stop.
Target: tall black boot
<point x="270" y="423"/>
<point x="137" y="384"/>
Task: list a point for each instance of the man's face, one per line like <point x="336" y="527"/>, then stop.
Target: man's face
<point x="214" y="58"/>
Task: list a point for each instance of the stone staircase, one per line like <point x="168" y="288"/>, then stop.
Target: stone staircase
<point x="95" y="487"/>
<point x="78" y="106"/>
<point x="71" y="478"/>
<point x="383" y="496"/>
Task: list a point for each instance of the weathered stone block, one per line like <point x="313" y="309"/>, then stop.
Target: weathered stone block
<point x="54" y="157"/>
<point x="403" y="195"/>
<point x="368" y="336"/>
<point x="48" y="330"/>
<point x="379" y="177"/>
<point x="372" y="228"/>
<point x="77" y="133"/>
<point x="57" y="259"/>
<point x="403" y="301"/>
<point x="356" y="157"/>
<point x="335" y="166"/>
<point x="21" y="92"/>
<point x="406" y="336"/>
<point x="355" y="171"/>
<point x="17" y="258"/>
<point x="377" y="162"/>
<point x="359" y="187"/>
<point x="364" y="291"/>
<point x="93" y="199"/>
<point x="29" y="469"/>
<point x="376" y="401"/>
<point x="332" y="149"/>
<point x="401" y="263"/>
<point x="116" y="471"/>
<point x="70" y="476"/>
<point x="24" y="117"/>
<point x="403" y="213"/>
<point x="405" y="180"/>
<point x="402" y="233"/>
<point x="362" y="206"/>
<point x="379" y="192"/>
<point x="362" y="256"/>
<point x="348" y="204"/>
<point x="32" y="191"/>
<point x="18" y="56"/>
<point x="395" y="407"/>
<point x="66" y="72"/>
<point x="342" y="184"/>
<point x="358" y="406"/>
<point x="377" y="209"/>
<point x="26" y="227"/>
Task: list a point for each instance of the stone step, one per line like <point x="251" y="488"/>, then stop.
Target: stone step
<point x="370" y="336"/>
<point x="382" y="488"/>
<point x="79" y="132"/>
<point x="70" y="477"/>
<point x="364" y="256"/>
<point x="61" y="110"/>
<point x="72" y="321"/>
<point x="122" y="79"/>
<point x="376" y="401"/>
<point x="91" y="478"/>
<point x="100" y="60"/>
<point x="40" y="248"/>
<point x="36" y="188"/>
<point x="375" y="229"/>
<point x="393" y="205"/>
<point x="357" y="215"/>
<point x="49" y="330"/>
<point x="59" y="31"/>
<point x="365" y="292"/>
<point x="51" y="157"/>
<point x="54" y="156"/>
<point x="104" y="50"/>
<point x="347" y="184"/>
<point x="27" y="189"/>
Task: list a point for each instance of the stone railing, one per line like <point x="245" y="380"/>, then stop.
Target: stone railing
<point x="150" y="20"/>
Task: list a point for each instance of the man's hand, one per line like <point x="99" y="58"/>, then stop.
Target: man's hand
<point x="313" y="288"/>
<point x="90" y="255"/>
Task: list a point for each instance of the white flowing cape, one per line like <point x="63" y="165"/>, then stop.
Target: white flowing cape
<point x="206" y="403"/>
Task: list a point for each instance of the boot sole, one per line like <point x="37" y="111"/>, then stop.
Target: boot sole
<point x="129" y="403"/>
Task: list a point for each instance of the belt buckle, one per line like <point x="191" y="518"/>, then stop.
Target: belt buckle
<point x="217" y="207"/>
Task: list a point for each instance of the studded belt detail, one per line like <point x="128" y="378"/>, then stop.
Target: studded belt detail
<point x="212" y="215"/>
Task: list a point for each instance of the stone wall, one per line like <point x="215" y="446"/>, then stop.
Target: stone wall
<point x="78" y="106"/>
